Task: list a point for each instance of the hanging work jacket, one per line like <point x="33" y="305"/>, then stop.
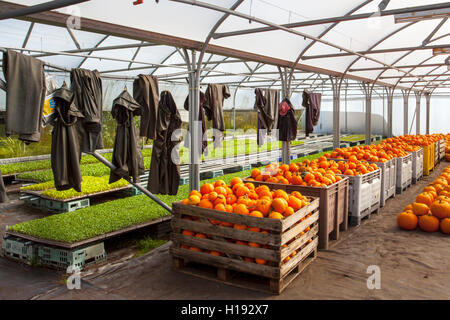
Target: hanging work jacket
<point x="146" y="93"/>
<point x="25" y="95"/>
<point x="266" y="104"/>
<point x="201" y="117"/>
<point x="287" y="124"/>
<point x="164" y="175"/>
<point x="66" y="151"/>
<point x="311" y="102"/>
<point x="127" y="156"/>
<point x="215" y="96"/>
<point x="86" y="86"/>
<point x="3" y="196"/>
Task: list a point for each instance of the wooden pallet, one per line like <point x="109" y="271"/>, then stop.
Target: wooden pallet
<point x="241" y="279"/>
<point x="286" y="243"/>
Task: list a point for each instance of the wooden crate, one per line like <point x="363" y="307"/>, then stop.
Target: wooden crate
<point x="333" y="207"/>
<point x="283" y="238"/>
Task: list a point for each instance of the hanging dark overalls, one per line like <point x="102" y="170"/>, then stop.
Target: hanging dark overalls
<point x="86" y="86"/>
<point x="215" y="96"/>
<point x="164" y="175"/>
<point x="266" y="104"/>
<point x="287" y="124"/>
<point x="127" y="156"/>
<point x="66" y="150"/>
<point x="311" y="102"/>
<point x="25" y="95"/>
<point x="146" y="93"/>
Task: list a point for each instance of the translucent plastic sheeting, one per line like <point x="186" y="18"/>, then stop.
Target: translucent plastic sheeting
<point x="195" y="23"/>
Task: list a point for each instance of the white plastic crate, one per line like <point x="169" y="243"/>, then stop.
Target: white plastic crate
<point x="404" y="173"/>
<point x="388" y="180"/>
<point x="417" y="165"/>
<point x="364" y="195"/>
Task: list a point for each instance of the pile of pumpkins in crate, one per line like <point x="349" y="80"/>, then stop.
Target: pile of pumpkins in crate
<point x="244" y="199"/>
<point x="431" y="210"/>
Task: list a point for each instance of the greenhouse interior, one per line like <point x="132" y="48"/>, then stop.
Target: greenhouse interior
<point x="251" y="149"/>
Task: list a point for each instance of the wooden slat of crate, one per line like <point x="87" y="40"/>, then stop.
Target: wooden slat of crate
<point x="214" y="230"/>
<point x="273" y="255"/>
<point x="269" y="224"/>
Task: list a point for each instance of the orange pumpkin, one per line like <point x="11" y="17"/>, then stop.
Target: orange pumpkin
<point x="425" y="197"/>
<point x="263" y="206"/>
<point x="279" y="204"/>
<point x="440" y="209"/>
<point x="241" y="209"/>
<point x="407" y="221"/>
<point x="428" y="223"/>
<point x="206" y="188"/>
<point x="420" y="209"/>
<point x="445" y="225"/>
<point x="295" y="203"/>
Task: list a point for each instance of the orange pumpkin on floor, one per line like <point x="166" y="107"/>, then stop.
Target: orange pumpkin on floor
<point x="429" y="223"/>
<point x="407" y="220"/>
<point x="420" y="209"/>
<point x="445" y="225"/>
<point x="440" y="209"/>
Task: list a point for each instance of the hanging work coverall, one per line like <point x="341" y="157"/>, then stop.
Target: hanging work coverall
<point x="127" y="156"/>
<point x="266" y="103"/>
<point x="287" y="124"/>
<point x="164" y="176"/>
<point x="146" y="93"/>
<point x="25" y="95"/>
<point x="86" y="86"/>
<point x="311" y="102"/>
<point x="66" y="150"/>
<point x="215" y="96"/>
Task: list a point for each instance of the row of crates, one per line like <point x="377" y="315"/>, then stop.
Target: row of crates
<point x="33" y="253"/>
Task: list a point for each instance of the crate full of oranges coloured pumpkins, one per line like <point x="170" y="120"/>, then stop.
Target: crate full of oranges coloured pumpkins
<point x="315" y="178"/>
<point x="249" y="230"/>
<point x="431" y="210"/>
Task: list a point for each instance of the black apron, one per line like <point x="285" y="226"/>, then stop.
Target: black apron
<point x="127" y="156"/>
<point x="25" y="95"/>
<point x="146" y="93"/>
<point x="65" y="152"/>
<point x="86" y="86"/>
<point x="164" y="175"/>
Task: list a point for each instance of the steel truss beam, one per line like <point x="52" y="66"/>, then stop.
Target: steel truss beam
<point x="334" y="19"/>
<point x="346" y="54"/>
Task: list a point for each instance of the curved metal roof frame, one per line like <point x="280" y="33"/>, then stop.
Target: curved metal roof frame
<point x="246" y="77"/>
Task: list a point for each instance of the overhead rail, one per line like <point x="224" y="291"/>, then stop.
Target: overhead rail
<point x="47" y="6"/>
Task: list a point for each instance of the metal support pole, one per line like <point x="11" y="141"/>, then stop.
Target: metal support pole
<point x="368" y="88"/>
<point x="285" y="145"/>
<point x="194" y="147"/>
<point x="138" y="186"/>
<point x="336" y="85"/>
<point x="418" y="95"/>
<point x="405" y="110"/>
<point x="427" y="98"/>
<point x="390" y="101"/>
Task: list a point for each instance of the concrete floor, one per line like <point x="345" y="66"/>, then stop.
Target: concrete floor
<point x="414" y="265"/>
